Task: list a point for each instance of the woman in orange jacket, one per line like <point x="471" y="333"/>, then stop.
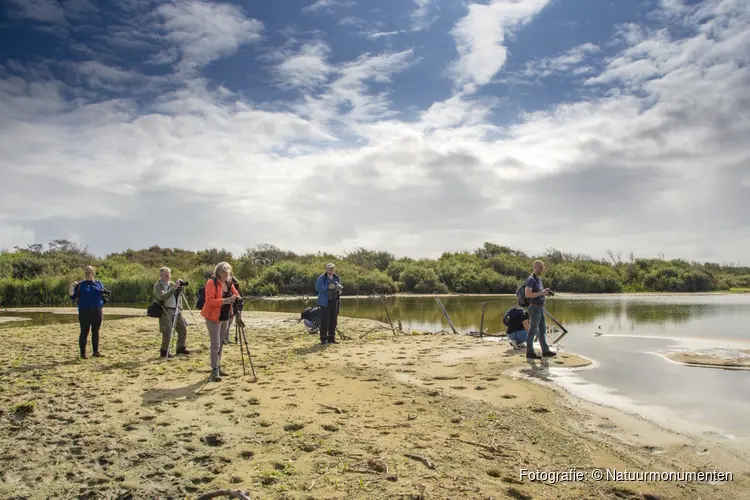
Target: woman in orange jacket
<point x="217" y="309"/>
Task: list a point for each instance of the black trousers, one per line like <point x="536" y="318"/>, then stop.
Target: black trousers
<point x="90" y="319"/>
<point x="328" y="317"/>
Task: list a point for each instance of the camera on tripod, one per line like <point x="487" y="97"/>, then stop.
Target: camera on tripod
<point x="181" y="283"/>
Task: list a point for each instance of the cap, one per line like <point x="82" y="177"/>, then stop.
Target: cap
<point x="329" y="266"/>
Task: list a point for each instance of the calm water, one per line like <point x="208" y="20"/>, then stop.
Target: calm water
<point x="626" y="373"/>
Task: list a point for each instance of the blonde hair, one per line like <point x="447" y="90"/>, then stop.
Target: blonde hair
<point x="538" y="263"/>
<point x="222" y="267"/>
<point x="89" y="268"/>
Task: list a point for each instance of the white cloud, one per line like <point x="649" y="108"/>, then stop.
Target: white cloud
<point x="306" y="68"/>
<point x="419" y="15"/>
<point x="45" y="11"/>
<point x="480" y="35"/>
<point x="658" y="164"/>
<point x="568" y="62"/>
<point x="328" y="5"/>
<point x="206" y="31"/>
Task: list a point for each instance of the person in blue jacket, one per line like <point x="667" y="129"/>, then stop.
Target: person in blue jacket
<point x="89" y="295"/>
<point x="328" y="287"/>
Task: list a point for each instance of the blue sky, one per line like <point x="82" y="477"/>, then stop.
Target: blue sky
<point x="417" y="126"/>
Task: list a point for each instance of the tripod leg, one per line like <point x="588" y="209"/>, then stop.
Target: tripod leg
<point x="244" y="337"/>
<point x="172" y="328"/>
<point x="185" y="302"/>
<point x="242" y="355"/>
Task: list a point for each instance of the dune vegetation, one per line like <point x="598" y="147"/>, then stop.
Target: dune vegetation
<point x="39" y="276"/>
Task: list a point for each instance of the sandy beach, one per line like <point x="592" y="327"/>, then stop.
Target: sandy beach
<point x="411" y="416"/>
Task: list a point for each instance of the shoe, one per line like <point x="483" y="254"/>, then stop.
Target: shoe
<point x="333" y="341"/>
<point x="215" y="376"/>
<point x="83" y="356"/>
<point x="162" y="353"/>
<point x="522" y="345"/>
<point x="182" y="350"/>
<point x="549" y="354"/>
<point x="98" y="355"/>
<point x="323" y="342"/>
<point x="533" y="355"/>
<point x="514" y="344"/>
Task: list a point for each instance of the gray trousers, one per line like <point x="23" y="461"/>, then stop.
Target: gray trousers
<point x="165" y="325"/>
<point x="216" y="332"/>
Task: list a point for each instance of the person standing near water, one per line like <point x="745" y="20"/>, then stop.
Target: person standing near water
<point x="537" y="294"/>
<point x="89" y="294"/>
<point x="328" y="286"/>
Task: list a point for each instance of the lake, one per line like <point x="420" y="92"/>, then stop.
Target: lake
<point x="627" y="371"/>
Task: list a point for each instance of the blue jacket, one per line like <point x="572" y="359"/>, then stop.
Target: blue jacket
<point x="321" y="286"/>
<point x="89" y="295"/>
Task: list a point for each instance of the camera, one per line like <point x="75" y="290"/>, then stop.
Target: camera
<point x="551" y="293"/>
<point x="105" y="294"/>
<point x="238" y="304"/>
<point x="182" y="283"/>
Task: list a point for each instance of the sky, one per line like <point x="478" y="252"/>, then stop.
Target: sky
<point x="413" y="126"/>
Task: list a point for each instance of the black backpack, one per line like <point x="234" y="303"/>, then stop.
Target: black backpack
<point x="521" y="293"/>
<point x="201" y="295"/>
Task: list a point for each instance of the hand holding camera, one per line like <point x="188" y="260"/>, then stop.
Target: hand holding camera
<point x="230" y="299"/>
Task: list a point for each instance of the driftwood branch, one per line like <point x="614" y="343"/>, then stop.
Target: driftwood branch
<point x="420" y="458"/>
<point x="337" y="410"/>
<point x="225" y="493"/>
<point x="445" y="313"/>
<point x="388" y="315"/>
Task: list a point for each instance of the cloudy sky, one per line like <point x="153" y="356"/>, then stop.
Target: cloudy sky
<point x="416" y="126"/>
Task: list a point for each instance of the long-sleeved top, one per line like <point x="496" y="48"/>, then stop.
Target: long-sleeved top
<point x="89" y="295"/>
<point x="165" y="293"/>
<point x="321" y="286"/>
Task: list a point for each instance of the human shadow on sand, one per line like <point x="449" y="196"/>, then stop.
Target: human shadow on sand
<point x="188" y="393"/>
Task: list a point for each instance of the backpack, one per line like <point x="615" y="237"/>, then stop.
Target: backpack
<point x="521" y="293"/>
<point x="522" y="300"/>
<point x="201" y="295"/>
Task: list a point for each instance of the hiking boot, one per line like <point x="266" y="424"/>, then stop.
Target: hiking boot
<point x="182" y="350"/>
<point x="514" y="344"/>
<point x="533" y="355"/>
<point x="333" y="341"/>
<point x="215" y="376"/>
<point x="98" y="355"/>
<point x="162" y="353"/>
<point x="83" y="356"/>
<point x="549" y="354"/>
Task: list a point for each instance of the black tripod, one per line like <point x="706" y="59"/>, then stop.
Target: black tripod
<point x="241" y="338"/>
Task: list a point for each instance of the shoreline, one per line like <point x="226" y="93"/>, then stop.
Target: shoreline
<point x="291" y="298"/>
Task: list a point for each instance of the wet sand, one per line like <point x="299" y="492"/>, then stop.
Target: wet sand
<point x="416" y="416"/>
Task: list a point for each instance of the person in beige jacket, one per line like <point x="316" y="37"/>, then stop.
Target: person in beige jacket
<point x="164" y="290"/>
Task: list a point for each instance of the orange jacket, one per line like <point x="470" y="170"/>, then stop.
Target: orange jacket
<point x="214" y="300"/>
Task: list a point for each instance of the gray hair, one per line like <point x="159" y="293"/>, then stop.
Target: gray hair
<point x="222" y="267"/>
<point x="165" y="270"/>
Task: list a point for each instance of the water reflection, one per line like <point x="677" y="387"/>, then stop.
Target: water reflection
<point x="616" y="314"/>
